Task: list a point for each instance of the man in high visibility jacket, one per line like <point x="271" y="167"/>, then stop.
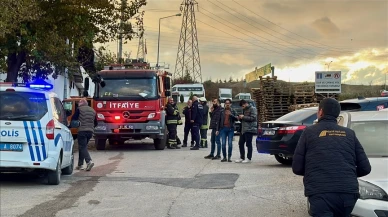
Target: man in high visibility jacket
<point x="204" y="127"/>
<point x="172" y="118"/>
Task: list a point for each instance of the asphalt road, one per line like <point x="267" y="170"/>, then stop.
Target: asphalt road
<point x="136" y="180"/>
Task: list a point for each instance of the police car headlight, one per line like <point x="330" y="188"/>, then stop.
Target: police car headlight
<point x="100" y="116"/>
<point x="152" y="127"/>
<point x="371" y="191"/>
<point x="151" y="115"/>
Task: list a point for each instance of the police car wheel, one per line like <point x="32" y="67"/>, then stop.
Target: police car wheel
<point x="100" y="144"/>
<point x="54" y="177"/>
<point x="69" y="170"/>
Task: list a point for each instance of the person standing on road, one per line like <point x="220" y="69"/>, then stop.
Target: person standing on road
<point x="228" y="117"/>
<point x="87" y="122"/>
<point x="215" y="119"/>
<point x="196" y="121"/>
<point x="330" y="158"/>
<point x="248" y="129"/>
<point x="205" y="121"/>
<point x="187" y="113"/>
<point x="172" y="117"/>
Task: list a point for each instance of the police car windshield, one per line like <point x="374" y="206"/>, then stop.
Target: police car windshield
<point x="129" y="87"/>
<point x="22" y="106"/>
<point x="372" y="136"/>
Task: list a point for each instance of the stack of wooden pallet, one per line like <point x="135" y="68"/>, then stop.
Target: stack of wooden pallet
<point x="272" y="101"/>
<point x="302" y="106"/>
<point x="304" y="94"/>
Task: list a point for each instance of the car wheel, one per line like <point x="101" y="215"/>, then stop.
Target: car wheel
<point x="69" y="170"/>
<point x="54" y="177"/>
<point x="282" y="160"/>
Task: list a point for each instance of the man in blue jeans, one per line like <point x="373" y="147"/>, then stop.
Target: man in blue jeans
<point x="215" y="118"/>
<point x="228" y="117"/>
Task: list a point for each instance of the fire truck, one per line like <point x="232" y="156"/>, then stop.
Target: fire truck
<point x="129" y="100"/>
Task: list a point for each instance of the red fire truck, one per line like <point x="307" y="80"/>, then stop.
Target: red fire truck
<point x="129" y="100"/>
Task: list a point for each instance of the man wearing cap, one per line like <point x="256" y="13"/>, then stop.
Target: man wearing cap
<point x="330" y="158"/>
<point x="205" y="119"/>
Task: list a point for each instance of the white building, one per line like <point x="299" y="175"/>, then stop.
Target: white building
<point x="63" y="86"/>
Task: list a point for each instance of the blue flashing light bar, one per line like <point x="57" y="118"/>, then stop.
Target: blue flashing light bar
<point x="38" y="85"/>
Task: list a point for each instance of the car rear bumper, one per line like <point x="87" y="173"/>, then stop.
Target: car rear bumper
<point x="8" y="166"/>
<point x="371" y="208"/>
<point x="152" y="129"/>
<point x="276" y="147"/>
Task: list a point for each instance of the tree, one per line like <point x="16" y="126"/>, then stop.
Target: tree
<point x="181" y="98"/>
<point x="191" y="96"/>
<point x="54" y="35"/>
<point x="230" y="79"/>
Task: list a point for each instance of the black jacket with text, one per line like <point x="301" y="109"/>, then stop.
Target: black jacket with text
<point x="330" y="158"/>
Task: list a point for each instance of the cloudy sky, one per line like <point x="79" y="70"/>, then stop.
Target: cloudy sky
<point x="298" y="37"/>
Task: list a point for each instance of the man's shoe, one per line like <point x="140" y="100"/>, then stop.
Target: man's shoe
<point x="229" y="160"/>
<point x="170" y="147"/>
<point x="184" y="145"/>
<point x="239" y="161"/>
<point x="194" y="148"/>
<point x="89" y="166"/>
<point x="246" y="161"/>
<point x="209" y="156"/>
<point x="223" y="160"/>
<point x="80" y="167"/>
<point x="216" y="158"/>
<point x="177" y="147"/>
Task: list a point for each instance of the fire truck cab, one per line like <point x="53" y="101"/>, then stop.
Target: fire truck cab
<point x="129" y="101"/>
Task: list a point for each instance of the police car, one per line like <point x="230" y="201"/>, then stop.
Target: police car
<point x="33" y="131"/>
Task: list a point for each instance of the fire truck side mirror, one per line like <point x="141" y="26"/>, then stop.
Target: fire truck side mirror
<point x="168" y="93"/>
<point x="167" y="83"/>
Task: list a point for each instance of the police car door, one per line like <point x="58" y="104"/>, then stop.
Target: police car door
<point x="61" y="130"/>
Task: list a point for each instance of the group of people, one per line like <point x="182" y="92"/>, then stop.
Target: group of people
<point x="222" y="121"/>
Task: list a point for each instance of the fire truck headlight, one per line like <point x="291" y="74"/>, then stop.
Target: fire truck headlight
<point x="152" y="127"/>
<point x="100" y="116"/>
<point x="151" y="115"/>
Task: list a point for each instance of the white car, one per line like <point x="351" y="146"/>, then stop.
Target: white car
<point x="371" y="128"/>
<point x="33" y="131"/>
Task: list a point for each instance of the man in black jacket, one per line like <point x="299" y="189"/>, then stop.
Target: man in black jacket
<point x="187" y="113"/>
<point x="330" y="158"/>
<point x="215" y="119"/>
<point x="196" y="121"/>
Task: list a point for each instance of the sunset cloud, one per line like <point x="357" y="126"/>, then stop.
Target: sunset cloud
<point x="296" y="36"/>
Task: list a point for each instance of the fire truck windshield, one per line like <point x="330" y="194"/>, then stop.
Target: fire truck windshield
<point x="138" y="88"/>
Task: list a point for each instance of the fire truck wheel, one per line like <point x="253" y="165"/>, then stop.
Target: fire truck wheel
<point x="100" y="144"/>
<point x="160" y="144"/>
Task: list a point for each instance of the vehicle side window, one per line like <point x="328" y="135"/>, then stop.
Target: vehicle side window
<point x="310" y="120"/>
<point x="59" y="111"/>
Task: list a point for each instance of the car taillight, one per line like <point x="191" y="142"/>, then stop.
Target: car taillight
<point x="50" y="129"/>
<point x="259" y="130"/>
<point x="290" y="130"/>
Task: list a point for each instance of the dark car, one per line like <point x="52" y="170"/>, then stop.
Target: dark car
<point x="280" y="137"/>
<point x="236" y="106"/>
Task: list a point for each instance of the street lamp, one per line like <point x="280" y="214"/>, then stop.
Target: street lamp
<point x="175" y="15"/>
<point x="328" y="65"/>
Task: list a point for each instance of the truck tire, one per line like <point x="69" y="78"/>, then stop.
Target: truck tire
<point x="283" y="160"/>
<point x="100" y="144"/>
<point x="69" y="170"/>
<point x="160" y="144"/>
<point x="54" y="177"/>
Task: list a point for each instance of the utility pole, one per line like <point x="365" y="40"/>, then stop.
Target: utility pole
<point x="188" y="53"/>
<point x="120" y="54"/>
<point x="140" y="48"/>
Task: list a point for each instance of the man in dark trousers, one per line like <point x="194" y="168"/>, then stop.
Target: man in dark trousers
<point x="205" y="121"/>
<point x="196" y="121"/>
<point x="215" y="119"/>
<point x="187" y="113"/>
<point x="330" y="158"/>
<point x="172" y="117"/>
<point x="88" y="121"/>
<point x="248" y="129"/>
